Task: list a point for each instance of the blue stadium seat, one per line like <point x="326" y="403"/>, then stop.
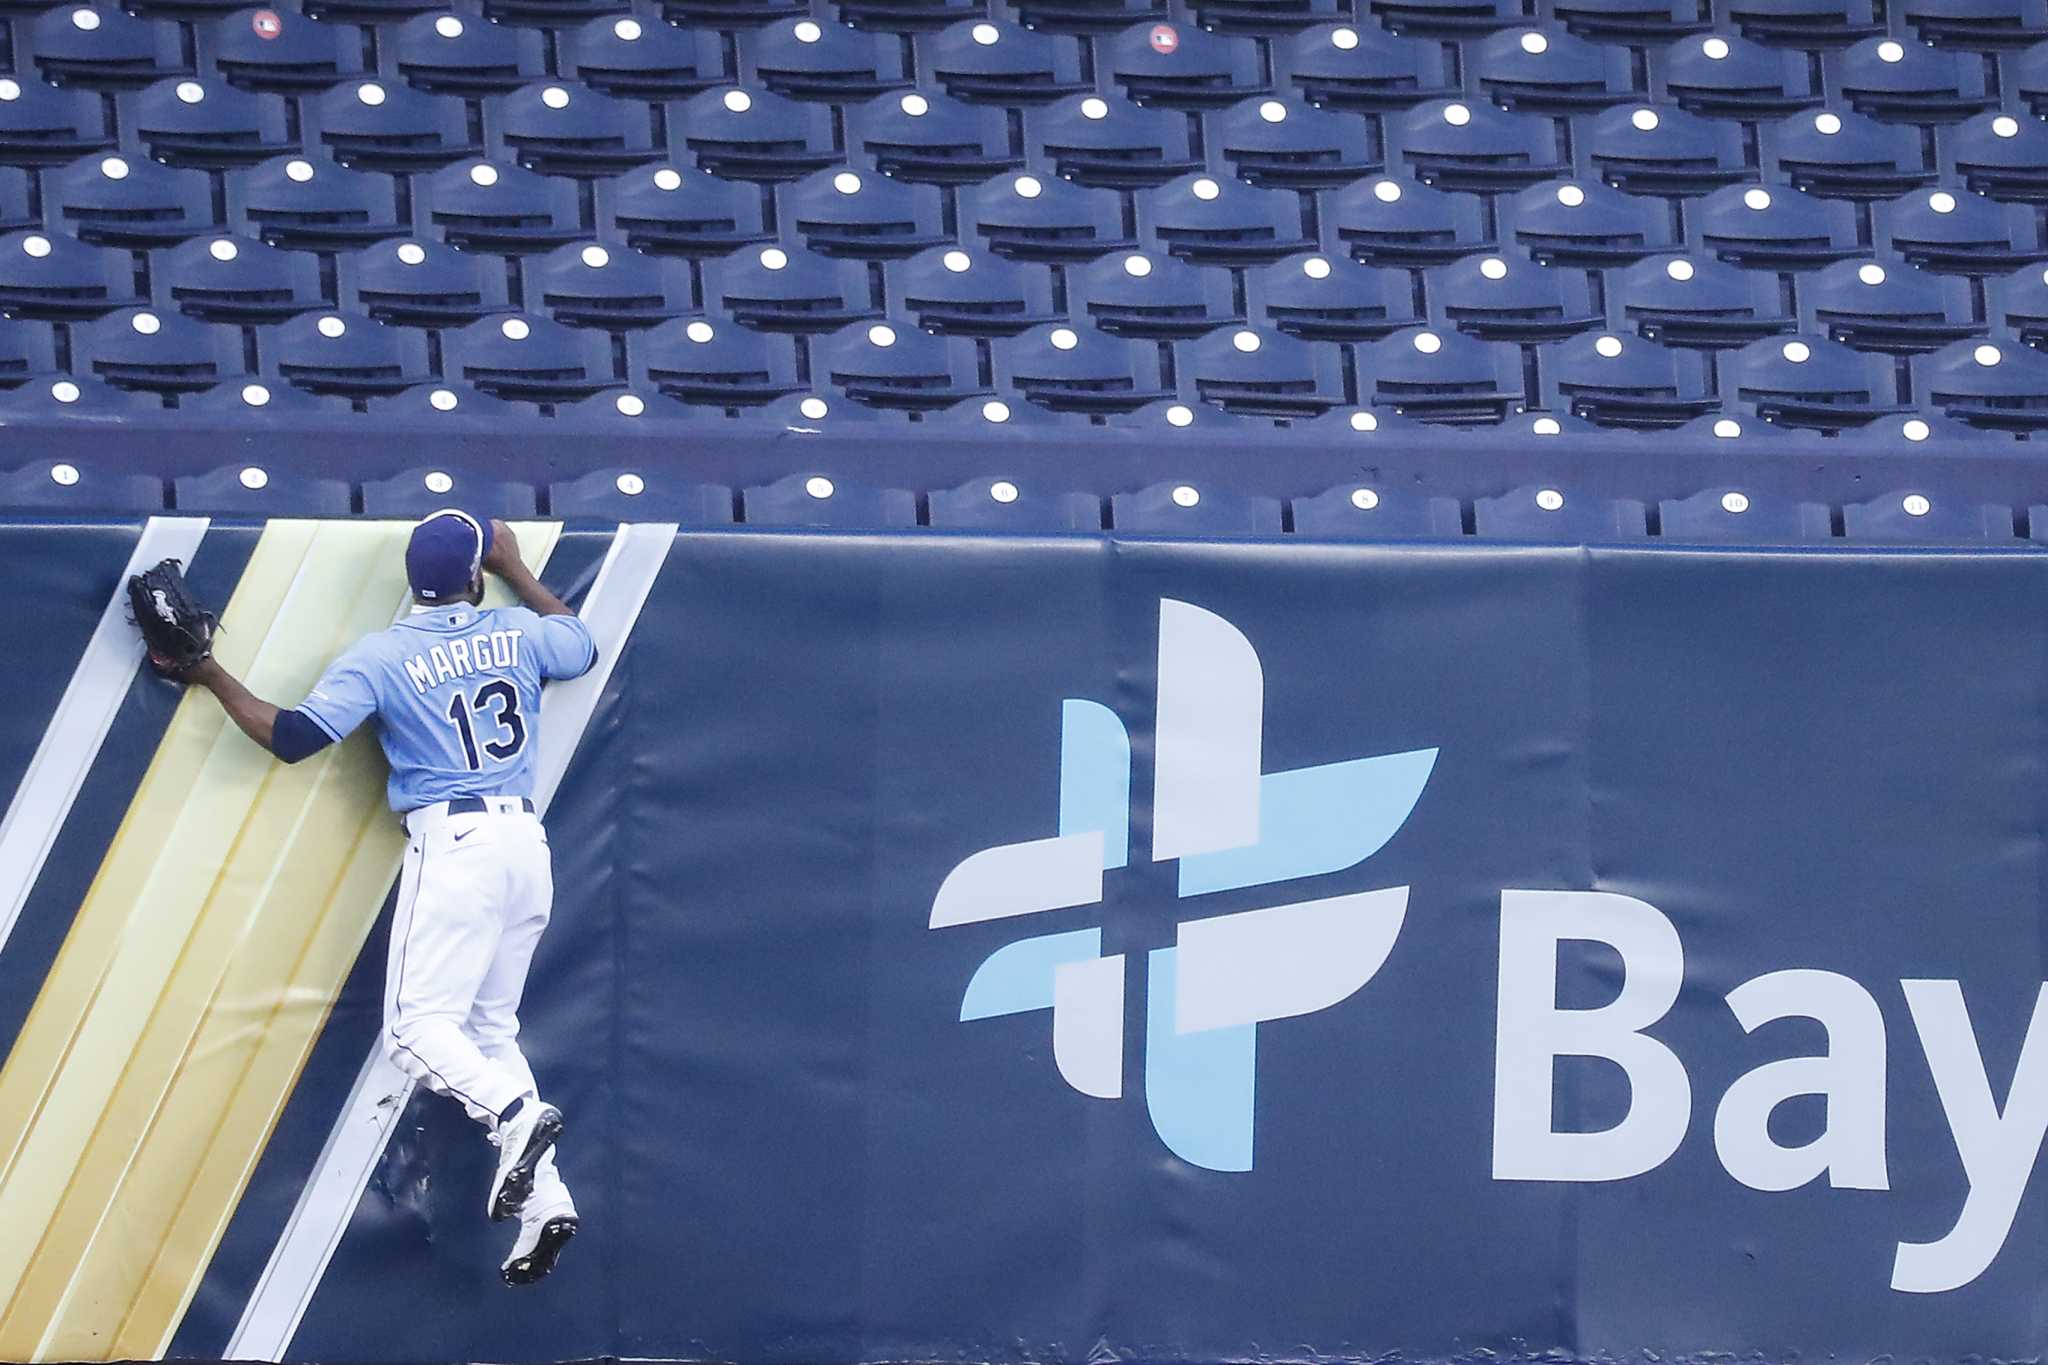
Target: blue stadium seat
<point x="551" y="14"/>
<point x="2018" y="304"/>
<point x="349" y="354"/>
<point x="588" y="284"/>
<point x="1841" y="154"/>
<point x="1271" y="18"/>
<point x="1404" y="223"/>
<point x="1155" y="296"/>
<point x="809" y="414"/>
<point x="1995" y="384"/>
<point x="1627" y="21"/>
<point x="119" y="201"/>
<point x="523" y="356"/>
<point x="1357" y="511"/>
<point x="1503" y="298"/>
<point x="628" y="412"/>
<point x="1108" y="142"/>
<point x="1913" y="83"/>
<point x="1695" y="300"/>
<point x="1324" y="298"/>
<point x="366" y="11"/>
<point x="102" y="48"/>
<point x="1957" y="232"/>
<point x="897" y="365"/>
<point x="815" y="500"/>
<point x="2028" y="73"/>
<point x="1002" y="504"/>
<point x="931" y="139"/>
<point x="958" y="292"/>
<point x="991" y="61"/>
<point x="1473" y="146"/>
<point x="633" y="59"/>
<point x="1042" y="218"/>
<point x="1540" y="424"/>
<point x="139" y="348"/>
<point x="1352" y="424"/>
<point x="1194" y="69"/>
<point x="680" y="211"/>
<point x="282" y="52"/>
<point x="1814" y="25"/>
<point x="1809" y="382"/>
<point x="1176" y="508"/>
<point x="1719" y="75"/>
<point x="560" y="129"/>
<point x="1218" y="221"/>
<point x="1894" y="309"/>
<point x="908" y="17"/>
<point x="1776" y="228"/>
<point x="640" y="495"/>
<point x="1079" y="369"/>
<point x="310" y="205"/>
<point x="1549" y="514"/>
<point x="812" y="59"/>
<point x="2000" y="156"/>
<point x="421" y="283"/>
<point x="460" y="54"/>
<point x="1366" y="69"/>
<point x="376" y="125"/>
<point x="78" y="400"/>
<point x="60" y="486"/>
<point x="1737" y="516"/>
<point x="1977" y="25"/>
<point x="864" y="216"/>
<point x="499" y="206"/>
<point x="1164" y="417"/>
<point x="259" y="491"/>
<point x="210" y="124"/>
<point x="55" y="277"/>
<point x="715" y="363"/>
<point x="1446" y="20"/>
<point x="1260" y="372"/>
<point x="1547" y="70"/>
<point x="1625" y="381"/>
<point x="730" y="16"/>
<point x="1915" y="517"/>
<point x="1438" y="376"/>
<point x="993" y="419"/>
<point x="455" y="406"/>
<point x="1584" y="223"/>
<point x="788" y="289"/>
<point x="252" y="405"/>
<point x="418" y="492"/>
<point x="1905" y="432"/>
<point x="236" y="280"/>
<point x="1278" y="143"/>
<point x="44" y="125"/>
<point x="758" y="135"/>
<point x="1728" y="426"/>
<point x="1648" y="149"/>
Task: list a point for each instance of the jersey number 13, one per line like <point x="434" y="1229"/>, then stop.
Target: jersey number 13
<point x="497" y="702"/>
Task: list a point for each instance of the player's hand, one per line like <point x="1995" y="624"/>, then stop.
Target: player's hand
<point x="504" y="551"/>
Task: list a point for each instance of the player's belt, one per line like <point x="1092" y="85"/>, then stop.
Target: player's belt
<point x="415" y="820"/>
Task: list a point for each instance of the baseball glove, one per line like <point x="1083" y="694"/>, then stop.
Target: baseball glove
<point x="176" y="628"/>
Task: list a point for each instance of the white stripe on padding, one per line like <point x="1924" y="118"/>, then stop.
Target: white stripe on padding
<point x="79" y="725"/>
<point x="355" y="1146"/>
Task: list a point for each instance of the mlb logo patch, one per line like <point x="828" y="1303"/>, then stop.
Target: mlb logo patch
<point x="266" y="23"/>
<point x="1164" y="39"/>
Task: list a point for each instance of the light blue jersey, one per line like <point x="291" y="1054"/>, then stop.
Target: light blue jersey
<point x="456" y="694"/>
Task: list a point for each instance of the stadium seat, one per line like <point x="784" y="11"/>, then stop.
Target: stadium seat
<point x="1360" y="511"/>
<point x="58" y="278"/>
<point x="253" y="405"/>
<point x="730" y="16"/>
<point x="61" y="486"/>
<point x="1625" y="381"/>
<point x="1280" y="143"/>
<point x="2018" y="304"/>
<point x="789" y="289"/>
<point x="119" y="201"/>
<point x="456" y="407"/>
<point x="1627" y="21"/>
<point x="931" y="139"/>
<point x="70" y="401"/>
<point x="165" y="353"/>
<point x="813" y="414"/>
<point x="1718" y="75"/>
<point x="102" y="47"/>
<point x="590" y="285"/>
<point x="523" y="356"/>
<point x="45" y="125"/>
<point x="1215" y="221"/>
<point x="1539" y="513"/>
<point x="994" y="62"/>
<point x="1773" y="229"/>
<point x="1977" y="25"/>
<point x="1539" y="424"/>
<point x="1038" y="218"/>
<point x="1177" y="508"/>
<point x="1192" y="69"/>
<point x="349" y="354"/>
<point x="237" y="280"/>
<point x="633" y="59"/>
<point x="838" y="504"/>
<point x="1167" y="418"/>
<point x="1895" y="309"/>
<point x="864" y="216"/>
<point x="1736" y="516"/>
<point x="1999" y="385"/>
<point x="1446" y="20"/>
<point x="2000" y="156"/>
<point x="1404" y="223"/>
<point x="1814" y="25"/>
<point x="627" y="411"/>
<point x="807" y="59"/>
<point x="1957" y="233"/>
<point x="1911" y="430"/>
<point x="1079" y="369"/>
<point x="458" y="54"/>
<point x="1695" y="300"/>
<point x="1648" y="149"/>
<point x="1366" y="69"/>
<point x="561" y="129"/>
<point x="1324" y="298"/>
<point x="1437" y="376"/>
<point x="1273" y="18"/>
<point x="284" y="53"/>
<point x="1108" y="142"/>
<point x="1915" y="517"/>
<point x="1000" y="504"/>
<point x="1154" y="296"/>
<point x="758" y="135"/>
<point x="1839" y="154"/>
<point x="499" y="206"/>
<point x="1474" y="147"/>
<point x="1503" y="298"/>
<point x="716" y="363"/>
<point x="680" y="211"/>
<point x="1260" y="372"/>
<point x="640" y="495"/>
<point x="995" y="419"/>
<point x="419" y="492"/>
<point x="958" y="292"/>
<point x="374" y="125"/>
<point x="908" y="17"/>
<point x="1914" y="83"/>
<point x="308" y="205"/>
<point x="1353" y="424"/>
<point x="1808" y="382"/>
<point x="2028" y="73"/>
<point x="210" y="124"/>
<point x="1584" y="223"/>
<point x="897" y="365"/>
<point x="1546" y="70"/>
<point x="258" y="491"/>
<point x="420" y="283"/>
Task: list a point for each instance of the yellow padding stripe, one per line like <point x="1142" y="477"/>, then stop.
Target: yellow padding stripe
<point x="199" y="971"/>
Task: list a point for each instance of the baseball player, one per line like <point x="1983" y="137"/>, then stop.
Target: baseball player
<point x="455" y="689"/>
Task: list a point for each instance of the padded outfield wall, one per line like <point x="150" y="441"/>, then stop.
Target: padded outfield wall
<point x="977" y="949"/>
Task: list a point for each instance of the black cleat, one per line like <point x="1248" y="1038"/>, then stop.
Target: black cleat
<point x="531" y="1264"/>
<point x="522" y="1143"/>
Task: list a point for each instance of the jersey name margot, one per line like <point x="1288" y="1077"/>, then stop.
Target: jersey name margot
<point x="463" y="656"/>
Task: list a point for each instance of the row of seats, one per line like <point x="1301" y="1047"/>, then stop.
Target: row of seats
<point x="1351" y="511"/>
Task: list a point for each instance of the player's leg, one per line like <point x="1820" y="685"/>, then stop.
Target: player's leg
<point x="443" y="938"/>
<point x="531" y="1125"/>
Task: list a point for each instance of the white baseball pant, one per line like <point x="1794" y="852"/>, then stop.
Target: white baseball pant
<point x="474" y="896"/>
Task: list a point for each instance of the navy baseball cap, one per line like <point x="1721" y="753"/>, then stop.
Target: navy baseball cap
<point x="445" y="553"/>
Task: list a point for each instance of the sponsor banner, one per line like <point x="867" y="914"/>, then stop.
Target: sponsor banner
<point x="1025" y="950"/>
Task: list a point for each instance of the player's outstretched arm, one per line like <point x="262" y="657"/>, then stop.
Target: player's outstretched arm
<point x="503" y="560"/>
<point x="256" y="717"/>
